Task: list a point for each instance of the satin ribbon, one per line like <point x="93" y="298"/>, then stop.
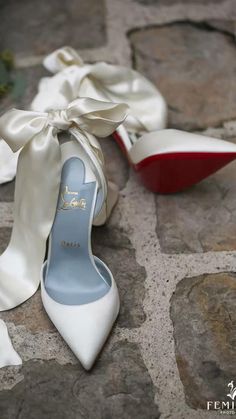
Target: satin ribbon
<point x="73" y="78"/>
<point x="37" y="184"/>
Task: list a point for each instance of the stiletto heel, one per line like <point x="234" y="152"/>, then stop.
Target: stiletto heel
<point x="166" y="161"/>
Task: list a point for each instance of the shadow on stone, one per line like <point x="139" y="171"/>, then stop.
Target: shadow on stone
<point x="119" y="386"/>
<point x="113" y="246"/>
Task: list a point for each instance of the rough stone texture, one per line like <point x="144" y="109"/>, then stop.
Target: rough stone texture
<point x="202" y="218"/>
<point x="31" y="27"/>
<point x="116" y="163"/>
<point x="175" y="2"/>
<point x="223" y="25"/>
<point x="113" y="246"/>
<point x="7" y="192"/>
<point x="204" y="318"/>
<point x="30" y="78"/>
<point x="5" y="233"/>
<point x="194" y="68"/>
<point x="10" y="376"/>
<point x="118" y="387"/>
<point x="6" y="214"/>
<point x="31" y="314"/>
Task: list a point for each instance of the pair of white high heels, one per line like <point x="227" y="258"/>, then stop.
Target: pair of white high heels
<point x="62" y="190"/>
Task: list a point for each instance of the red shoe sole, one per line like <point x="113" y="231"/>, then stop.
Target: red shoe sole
<point x="173" y="172"/>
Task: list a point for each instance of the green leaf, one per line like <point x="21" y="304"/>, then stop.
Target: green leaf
<point x="8" y="59"/>
<point x="4" y="88"/>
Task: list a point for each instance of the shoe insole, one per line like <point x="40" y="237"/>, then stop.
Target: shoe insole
<point x="73" y="277"/>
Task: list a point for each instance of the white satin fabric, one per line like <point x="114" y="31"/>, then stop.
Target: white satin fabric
<point x="73" y="78"/>
<point x="8" y="355"/>
<point x="8" y="162"/>
<point x="37" y="183"/>
<point x="102" y="81"/>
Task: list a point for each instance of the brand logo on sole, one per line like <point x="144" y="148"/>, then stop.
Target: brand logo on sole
<point x="73" y="203"/>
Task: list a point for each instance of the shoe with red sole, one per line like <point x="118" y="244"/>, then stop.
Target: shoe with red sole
<point x="165" y="160"/>
<point x="169" y="161"/>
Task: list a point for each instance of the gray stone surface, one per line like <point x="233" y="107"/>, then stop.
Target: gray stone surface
<point x="202" y="218"/>
<point x="31" y="314"/>
<point x="113" y="246"/>
<point x="176" y="2"/>
<point x="5" y="233"/>
<point x="223" y="25"/>
<point x="194" y="68"/>
<point x="118" y="387"/>
<point x="124" y="381"/>
<point x="204" y="319"/>
<point x="30" y="77"/>
<point x="116" y="163"/>
<point x="33" y="28"/>
<point x="7" y="192"/>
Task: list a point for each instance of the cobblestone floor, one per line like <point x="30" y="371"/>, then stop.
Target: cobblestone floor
<point x="174" y="345"/>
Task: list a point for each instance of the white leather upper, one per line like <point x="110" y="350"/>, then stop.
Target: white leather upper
<point x="176" y="141"/>
<point x="85" y="327"/>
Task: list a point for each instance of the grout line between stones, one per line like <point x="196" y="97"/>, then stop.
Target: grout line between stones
<point x="155" y="336"/>
<point x="120" y="21"/>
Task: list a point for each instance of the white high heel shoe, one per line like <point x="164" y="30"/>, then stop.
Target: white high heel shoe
<point x="38" y="182"/>
<point x="78" y="290"/>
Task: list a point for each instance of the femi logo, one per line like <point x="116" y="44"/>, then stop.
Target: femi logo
<point x="222" y="406"/>
<point x="232" y="392"/>
<point x="73" y="203"/>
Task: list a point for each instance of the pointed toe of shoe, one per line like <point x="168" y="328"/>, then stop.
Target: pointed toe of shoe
<point x="86" y="361"/>
<point x="87" y="355"/>
<point x="88" y="333"/>
<point x="85" y="327"/>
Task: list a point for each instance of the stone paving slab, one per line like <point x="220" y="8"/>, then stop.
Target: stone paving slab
<point x="203" y="314"/>
<point x="30" y="78"/>
<point x="119" y="387"/>
<point x="194" y="68"/>
<point x="223" y="25"/>
<point x="148" y="369"/>
<point x="31" y="314"/>
<point x="35" y="29"/>
<point x="7" y="192"/>
<point x="201" y="218"/>
<point x="159" y="3"/>
<point x="116" y="163"/>
<point x="5" y="234"/>
<point x="113" y="246"/>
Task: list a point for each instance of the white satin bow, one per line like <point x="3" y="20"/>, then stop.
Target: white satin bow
<point x="102" y="81"/>
<point x="37" y="183"/>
